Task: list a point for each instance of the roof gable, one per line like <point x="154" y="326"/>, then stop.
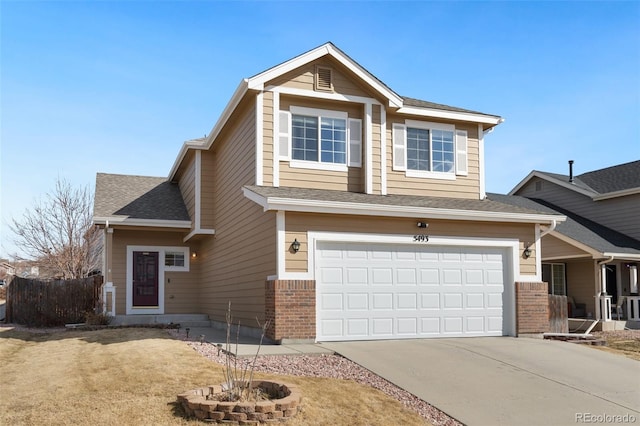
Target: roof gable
<point x="258" y="81"/>
<point x="619" y="180"/>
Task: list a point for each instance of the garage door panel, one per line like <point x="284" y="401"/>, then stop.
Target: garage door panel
<point x="451" y="277"/>
<point x="452" y="301"/>
<point x="358" y="301"/>
<point x="357" y="276"/>
<point x="475" y="301"/>
<point x="429" y="277"/>
<point x="430" y="301"/>
<point x="406" y="276"/>
<point x="331" y="275"/>
<point x="407" y="301"/>
<point x="380" y="291"/>
<point x="382" y="301"/>
<point x="382" y="327"/>
<point x="381" y="276"/>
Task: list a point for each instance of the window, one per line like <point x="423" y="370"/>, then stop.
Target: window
<point x="176" y="259"/>
<point x="429" y="149"/>
<point x="554" y="275"/>
<point x="332" y="135"/>
<point x="321" y="139"/>
<point x="172" y="258"/>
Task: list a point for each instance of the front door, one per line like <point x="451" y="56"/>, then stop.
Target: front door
<point x="145" y="279"/>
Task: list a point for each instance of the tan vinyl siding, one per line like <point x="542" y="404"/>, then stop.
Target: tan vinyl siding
<point x="462" y="187"/>
<point x="297" y="225"/>
<point x="187" y="184"/>
<point x="267" y="138"/>
<point x="555" y="248"/>
<point x="207" y="186"/>
<point x="620" y="214"/>
<point x="581" y="285"/>
<point x="183" y="286"/>
<point x="237" y="261"/>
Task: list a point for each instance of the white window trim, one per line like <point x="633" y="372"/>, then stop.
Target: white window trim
<point x="185" y="253"/>
<point x="319" y="165"/>
<point x="161" y="250"/>
<point x="426" y="125"/>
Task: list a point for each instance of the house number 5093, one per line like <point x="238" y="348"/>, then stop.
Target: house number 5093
<point x="421" y="238"/>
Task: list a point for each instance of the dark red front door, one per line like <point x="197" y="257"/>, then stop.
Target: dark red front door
<point x="145" y="278"/>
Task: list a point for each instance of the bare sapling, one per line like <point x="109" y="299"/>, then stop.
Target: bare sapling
<point x="237" y="387"/>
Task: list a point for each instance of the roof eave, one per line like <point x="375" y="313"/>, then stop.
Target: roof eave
<point x="488" y="120"/>
<point x="368" y="209"/>
<point x="616" y="194"/>
<point x="151" y="223"/>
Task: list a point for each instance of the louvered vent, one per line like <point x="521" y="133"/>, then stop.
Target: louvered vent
<point x="323" y="79"/>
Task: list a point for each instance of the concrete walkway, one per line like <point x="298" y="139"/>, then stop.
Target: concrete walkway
<point x="507" y="381"/>
<point x="247" y="346"/>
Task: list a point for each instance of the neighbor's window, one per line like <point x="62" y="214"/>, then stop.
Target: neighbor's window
<point x="325" y="143"/>
<point x="554" y="275"/>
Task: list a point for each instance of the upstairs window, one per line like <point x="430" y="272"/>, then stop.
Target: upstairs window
<point x="322" y="139"/>
<point x="435" y="150"/>
<point x="326" y="143"/>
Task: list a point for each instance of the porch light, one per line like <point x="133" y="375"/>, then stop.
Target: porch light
<point x="295" y="245"/>
<point x="194" y="254"/>
<point x="526" y="253"/>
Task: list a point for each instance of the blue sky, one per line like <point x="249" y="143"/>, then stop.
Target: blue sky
<point x="116" y="87"/>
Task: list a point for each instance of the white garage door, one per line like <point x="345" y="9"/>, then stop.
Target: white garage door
<point x="389" y="291"/>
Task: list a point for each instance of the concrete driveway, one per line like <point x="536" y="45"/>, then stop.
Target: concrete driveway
<point x="507" y="381"/>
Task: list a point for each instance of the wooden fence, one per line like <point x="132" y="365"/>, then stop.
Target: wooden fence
<point x="558" y="314"/>
<point x="51" y="303"/>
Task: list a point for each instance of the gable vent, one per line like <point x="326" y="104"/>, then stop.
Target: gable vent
<point x="323" y="80"/>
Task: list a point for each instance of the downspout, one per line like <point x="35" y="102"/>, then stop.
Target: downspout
<point x="551" y="227"/>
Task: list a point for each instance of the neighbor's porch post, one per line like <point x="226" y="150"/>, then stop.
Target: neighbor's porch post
<point x="604" y="301"/>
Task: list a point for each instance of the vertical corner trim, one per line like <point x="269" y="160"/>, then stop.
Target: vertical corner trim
<point x="259" y="138"/>
<point x="368" y="124"/>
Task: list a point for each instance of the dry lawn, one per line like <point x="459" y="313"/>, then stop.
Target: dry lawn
<point x="132" y="376"/>
<point x="625" y="343"/>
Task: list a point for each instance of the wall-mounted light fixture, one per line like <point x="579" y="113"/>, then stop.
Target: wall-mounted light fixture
<point x="527" y="251"/>
<point x="422" y="224"/>
<point x="295" y="245"/>
<point x="194" y="254"/>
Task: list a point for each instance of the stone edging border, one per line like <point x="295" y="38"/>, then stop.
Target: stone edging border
<point x="196" y="403"/>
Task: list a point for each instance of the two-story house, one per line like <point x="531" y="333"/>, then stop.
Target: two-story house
<point x="593" y="256"/>
<point x="334" y="208"/>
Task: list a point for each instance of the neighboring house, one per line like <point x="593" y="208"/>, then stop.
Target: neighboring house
<point x="592" y="257"/>
<point x="325" y="203"/>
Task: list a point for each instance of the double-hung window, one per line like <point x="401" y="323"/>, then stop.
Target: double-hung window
<point x="320" y="138"/>
<point x="423" y="149"/>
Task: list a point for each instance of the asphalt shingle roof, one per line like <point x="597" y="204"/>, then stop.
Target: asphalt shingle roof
<point x="138" y="197"/>
<point x="592" y="234"/>
<point x="426" y="104"/>
<point x="604" y="181"/>
<point x="391" y="200"/>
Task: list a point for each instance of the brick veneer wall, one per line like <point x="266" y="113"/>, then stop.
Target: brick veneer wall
<point x="532" y="308"/>
<point x="290" y="306"/>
